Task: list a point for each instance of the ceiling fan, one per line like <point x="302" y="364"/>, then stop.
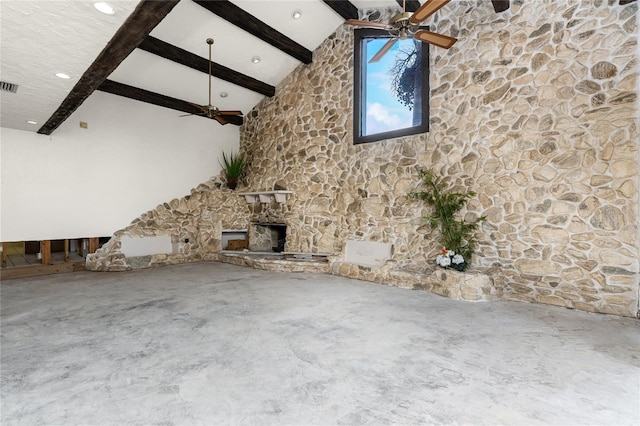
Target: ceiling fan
<point x="407" y="24"/>
<point x="209" y="110"/>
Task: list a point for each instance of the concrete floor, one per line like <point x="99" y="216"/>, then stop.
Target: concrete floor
<point x="215" y="343"/>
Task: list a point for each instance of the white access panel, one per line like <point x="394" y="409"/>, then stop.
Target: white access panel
<point x="146" y="246"/>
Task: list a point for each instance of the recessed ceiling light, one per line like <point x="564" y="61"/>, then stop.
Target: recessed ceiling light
<point x="63" y="75"/>
<point x="104" y="8"/>
<point x="296" y="14"/>
<point x="223" y="94"/>
<point x="31" y="122"/>
<point x="256" y="59"/>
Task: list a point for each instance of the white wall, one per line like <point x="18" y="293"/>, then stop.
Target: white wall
<point x="92" y="182"/>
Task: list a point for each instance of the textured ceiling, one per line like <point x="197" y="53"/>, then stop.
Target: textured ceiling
<point x="40" y="38"/>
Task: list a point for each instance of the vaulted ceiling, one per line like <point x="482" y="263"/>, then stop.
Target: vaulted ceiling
<point x="155" y="52"/>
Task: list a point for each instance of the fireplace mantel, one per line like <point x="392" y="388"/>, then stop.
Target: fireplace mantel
<point x="265" y="196"/>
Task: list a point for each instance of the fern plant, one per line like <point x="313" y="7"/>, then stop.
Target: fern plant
<point x="457" y="237"/>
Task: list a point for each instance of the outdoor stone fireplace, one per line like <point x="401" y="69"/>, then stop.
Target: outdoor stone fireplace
<point x="267" y="237"/>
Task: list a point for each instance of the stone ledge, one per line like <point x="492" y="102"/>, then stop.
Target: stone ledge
<point x="118" y="262"/>
<point x="271" y="263"/>
<point x="470" y="286"/>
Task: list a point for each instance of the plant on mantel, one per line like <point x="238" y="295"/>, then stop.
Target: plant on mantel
<point x="233" y="167"/>
<point x="457" y="237"/>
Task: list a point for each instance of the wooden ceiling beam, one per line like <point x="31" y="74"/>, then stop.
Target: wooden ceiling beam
<point x="500" y="5"/>
<point x="144" y="18"/>
<point x="243" y="20"/>
<point x="344" y="8"/>
<point x="142" y="95"/>
<point x="186" y="58"/>
<point x="412" y="5"/>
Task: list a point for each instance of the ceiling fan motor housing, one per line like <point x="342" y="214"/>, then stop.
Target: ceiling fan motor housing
<point x="402" y="27"/>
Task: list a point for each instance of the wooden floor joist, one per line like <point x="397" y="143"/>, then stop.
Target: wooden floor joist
<point x="45" y="251"/>
<point x="94" y="244"/>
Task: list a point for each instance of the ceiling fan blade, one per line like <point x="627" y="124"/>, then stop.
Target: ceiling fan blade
<point x="220" y="119"/>
<point x="368" y="24"/>
<point x="388" y="45"/>
<point x="436" y="39"/>
<point x="229" y="112"/>
<point x="426" y="10"/>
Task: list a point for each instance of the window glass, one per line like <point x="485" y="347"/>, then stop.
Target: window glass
<point x="391" y="95"/>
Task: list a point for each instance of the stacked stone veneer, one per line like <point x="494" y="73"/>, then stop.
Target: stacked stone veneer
<point x="535" y="109"/>
<point x="194" y="223"/>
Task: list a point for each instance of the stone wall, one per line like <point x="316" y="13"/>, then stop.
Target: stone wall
<point x="194" y="222"/>
<point x="535" y="109"/>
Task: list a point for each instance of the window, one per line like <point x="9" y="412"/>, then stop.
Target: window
<point x="391" y="97"/>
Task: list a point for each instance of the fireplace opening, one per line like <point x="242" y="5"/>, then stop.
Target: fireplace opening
<point x="234" y="239"/>
<point x="267" y="237"/>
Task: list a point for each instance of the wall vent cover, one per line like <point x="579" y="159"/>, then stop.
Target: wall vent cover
<point x="8" y="87"/>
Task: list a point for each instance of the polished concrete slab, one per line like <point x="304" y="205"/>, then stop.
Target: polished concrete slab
<point x="214" y="343"/>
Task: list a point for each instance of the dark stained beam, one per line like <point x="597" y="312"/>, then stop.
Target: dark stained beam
<point x="183" y="57"/>
<point x="142" y="95"/>
<point x="500" y="5"/>
<point x="412" y="5"/>
<point x="145" y="17"/>
<point x="241" y="19"/>
<point x="344" y="8"/>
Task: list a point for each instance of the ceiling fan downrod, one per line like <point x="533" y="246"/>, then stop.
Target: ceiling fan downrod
<point x="210" y="43"/>
<point x="214" y="112"/>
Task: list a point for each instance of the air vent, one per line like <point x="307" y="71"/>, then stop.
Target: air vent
<point x="8" y="87"/>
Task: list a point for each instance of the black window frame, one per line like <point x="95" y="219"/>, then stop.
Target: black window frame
<point x="358" y="89"/>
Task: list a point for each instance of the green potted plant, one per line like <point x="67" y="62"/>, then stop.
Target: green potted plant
<point x="457" y="237"/>
<point x="233" y="167"/>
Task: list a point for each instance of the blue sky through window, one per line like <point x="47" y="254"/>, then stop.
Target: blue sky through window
<point x="383" y="111"/>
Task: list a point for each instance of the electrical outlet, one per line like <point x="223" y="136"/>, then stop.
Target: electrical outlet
<point x="84" y="125"/>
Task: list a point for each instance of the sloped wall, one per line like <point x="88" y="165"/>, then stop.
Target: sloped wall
<point x="81" y="183"/>
<point x="194" y="223"/>
<point x="535" y="109"/>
